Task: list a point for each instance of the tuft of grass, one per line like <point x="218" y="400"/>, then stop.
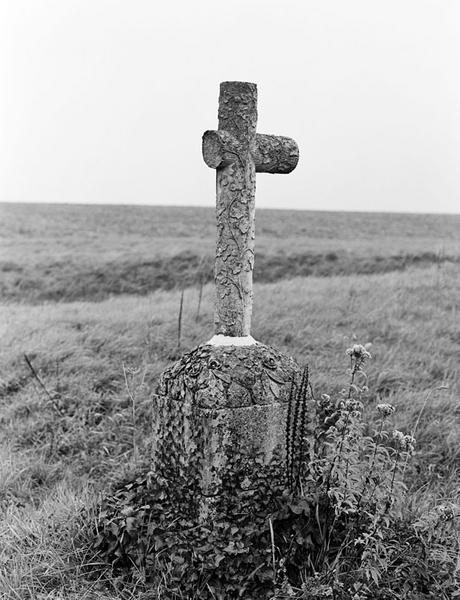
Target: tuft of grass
<point x="41" y="551"/>
<point x="25" y="478"/>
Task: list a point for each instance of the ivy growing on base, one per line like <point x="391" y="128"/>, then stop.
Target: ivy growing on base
<point x="325" y="522"/>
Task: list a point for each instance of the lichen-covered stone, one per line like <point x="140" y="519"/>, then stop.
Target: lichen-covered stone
<point x="237" y="152"/>
<point x="217" y="403"/>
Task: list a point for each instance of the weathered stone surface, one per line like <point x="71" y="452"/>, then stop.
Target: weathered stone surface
<point x="275" y="154"/>
<point x="237" y="152"/>
<point x="235" y="210"/>
<point x="270" y="153"/>
<point x="229" y="376"/>
<point x="216" y="403"/>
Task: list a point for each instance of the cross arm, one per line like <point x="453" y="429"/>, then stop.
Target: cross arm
<point x="271" y="153"/>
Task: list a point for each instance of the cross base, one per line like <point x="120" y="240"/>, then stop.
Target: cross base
<point x="218" y="402"/>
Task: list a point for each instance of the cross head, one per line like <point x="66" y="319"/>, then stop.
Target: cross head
<point x="237" y="153"/>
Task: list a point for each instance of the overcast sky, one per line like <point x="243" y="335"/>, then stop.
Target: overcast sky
<point x="105" y="101"/>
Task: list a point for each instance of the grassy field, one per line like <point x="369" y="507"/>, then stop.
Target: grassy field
<point x="67" y="439"/>
<point x="71" y="252"/>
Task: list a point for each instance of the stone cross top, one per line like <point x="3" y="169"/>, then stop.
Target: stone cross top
<point x="238" y="153"/>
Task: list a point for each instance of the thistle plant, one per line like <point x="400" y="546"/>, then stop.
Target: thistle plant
<point x="346" y="486"/>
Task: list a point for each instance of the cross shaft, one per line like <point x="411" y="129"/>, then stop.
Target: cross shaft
<point x="237" y="152"/>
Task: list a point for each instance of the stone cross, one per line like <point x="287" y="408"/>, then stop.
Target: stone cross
<point x="237" y="152"/>
<point x="222" y="408"/>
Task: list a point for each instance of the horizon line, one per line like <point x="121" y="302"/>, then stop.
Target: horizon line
<point x="320" y="210"/>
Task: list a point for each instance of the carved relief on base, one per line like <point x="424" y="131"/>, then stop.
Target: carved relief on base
<point x="219" y="408"/>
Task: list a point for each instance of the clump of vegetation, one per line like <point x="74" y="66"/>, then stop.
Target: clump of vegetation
<point x="331" y="524"/>
<point x="351" y="536"/>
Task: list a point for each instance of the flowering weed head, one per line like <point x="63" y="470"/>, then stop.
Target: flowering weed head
<point x="358" y="354"/>
<point x="385" y="410"/>
<point x="404" y="442"/>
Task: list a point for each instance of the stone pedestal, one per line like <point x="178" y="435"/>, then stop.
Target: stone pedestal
<point x="221" y="408"/>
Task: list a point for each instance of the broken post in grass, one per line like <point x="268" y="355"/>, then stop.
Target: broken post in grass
<point x="222" y="407"/>
<point x="179" y="319"/>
